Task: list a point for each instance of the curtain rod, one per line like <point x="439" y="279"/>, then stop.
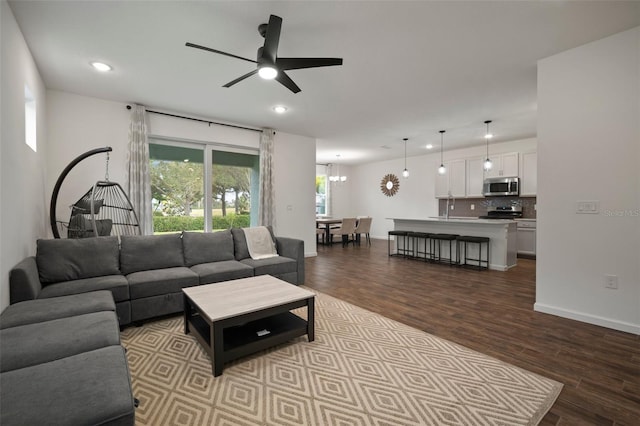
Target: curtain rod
<point x="209" y="122"/>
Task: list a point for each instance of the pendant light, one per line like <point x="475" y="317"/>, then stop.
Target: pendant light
<point x="405" y="172"/>
<point x="442" y="169"/>
<point x="337" y="177"/>
<point x="487" y="163"/>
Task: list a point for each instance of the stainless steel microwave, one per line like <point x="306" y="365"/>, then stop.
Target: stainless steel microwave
<point x="501" y="187"/>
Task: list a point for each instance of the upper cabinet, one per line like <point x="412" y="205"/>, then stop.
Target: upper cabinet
<point x="529" y="174"/>
<point x="464" y="177"/>
<point x="453" y="182"/>
<point x="475" y="176"/>
<point x="504" y="165"/>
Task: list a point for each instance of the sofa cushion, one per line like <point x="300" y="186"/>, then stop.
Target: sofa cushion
<point x="145" y="252"/>
<point x="160" y="281"/>
<point x="241" y="249"/>
<point x="91" y="388"/>
<point x="73" y="259"/>
<point x="207" y="247"/>
<point x="222" y="271"/>
<point x="272" y="266"/>
<point x="39" y="310"/>
<point x="117" y="284"/>
<point x="33" y="344"/>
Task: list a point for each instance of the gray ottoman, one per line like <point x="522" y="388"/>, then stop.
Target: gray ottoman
<point x="32" y="344"/>
<point x="38" y="310"/>
<point x="91" y="388"/>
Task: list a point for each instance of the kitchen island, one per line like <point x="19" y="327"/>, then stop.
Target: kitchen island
<point x="502" y="233"/>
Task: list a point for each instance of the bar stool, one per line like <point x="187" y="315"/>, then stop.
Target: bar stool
<point x="399" y="251"/>
<point x="417" y="238"/>
<point x="437" y="240"/>
<point x="473" y="240"/>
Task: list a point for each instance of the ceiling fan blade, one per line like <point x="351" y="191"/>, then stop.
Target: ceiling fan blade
<point x="208" y="49"/>
<point x="239" y="79"/>
<point x="271" y="39"/>
<point x="299" y="63"/>
<point x="286" y="81"/>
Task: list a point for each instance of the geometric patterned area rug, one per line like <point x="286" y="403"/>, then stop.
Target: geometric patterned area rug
<point x="362" y="369"/>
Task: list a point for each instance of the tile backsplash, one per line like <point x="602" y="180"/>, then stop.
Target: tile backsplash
<point x="462" y="206"/>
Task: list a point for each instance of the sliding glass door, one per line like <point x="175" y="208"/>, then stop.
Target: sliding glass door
<point x="199" y="187"/>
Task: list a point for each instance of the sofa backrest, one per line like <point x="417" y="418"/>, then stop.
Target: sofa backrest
<point x="205" y="247"/>
<point x="72" y="259"/>
<point x="147" y="252"/>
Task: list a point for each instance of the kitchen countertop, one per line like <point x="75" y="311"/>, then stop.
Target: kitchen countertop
<point x="502" y="234"/>
<point x="457" y="219"/>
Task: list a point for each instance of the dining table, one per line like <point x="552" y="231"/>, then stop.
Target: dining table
<point x="327" y="222"/>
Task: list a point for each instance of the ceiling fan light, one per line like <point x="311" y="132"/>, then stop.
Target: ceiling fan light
<point x="268" y="73"/>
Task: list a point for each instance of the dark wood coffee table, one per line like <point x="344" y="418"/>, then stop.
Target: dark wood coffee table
<point x="235" y="318"/>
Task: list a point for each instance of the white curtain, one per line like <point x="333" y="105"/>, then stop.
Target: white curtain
<point x="138" y="181"/>
<point x="266" y="206"/>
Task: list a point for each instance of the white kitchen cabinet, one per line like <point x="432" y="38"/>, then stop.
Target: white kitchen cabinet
<point x="453" y="181"/>
<point x="503" y="165"/>
<point x="529" y="174"/>
<point x="475" y="177"/>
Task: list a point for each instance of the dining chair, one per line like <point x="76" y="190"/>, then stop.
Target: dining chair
<point x="363" y="227"/>
<point x="320" y="232"/>
<point x="347" y="228"/>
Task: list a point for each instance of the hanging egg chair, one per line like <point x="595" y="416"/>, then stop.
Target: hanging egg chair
<point x="103" y="210"/>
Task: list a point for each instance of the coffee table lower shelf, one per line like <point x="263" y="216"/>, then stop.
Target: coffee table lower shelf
<point x="242" y="340"/>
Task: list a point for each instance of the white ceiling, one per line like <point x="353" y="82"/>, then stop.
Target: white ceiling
<point x="411" y="68"/>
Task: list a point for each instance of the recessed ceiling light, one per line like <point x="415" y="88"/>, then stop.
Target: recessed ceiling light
<point x="101" y="66"/>
<point x="429" y="146"/>
<point x="280" y="109"/>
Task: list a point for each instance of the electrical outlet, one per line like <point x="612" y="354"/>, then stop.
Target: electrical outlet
<point x="611" y="281"/>
<point x="452" y="206"/>
<point x="473" y="206"/>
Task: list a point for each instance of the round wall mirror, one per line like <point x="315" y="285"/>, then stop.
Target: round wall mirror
<point x="389" y="185"/>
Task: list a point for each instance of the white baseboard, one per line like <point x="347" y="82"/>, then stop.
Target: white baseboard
<point x="590" y="319"/>
<point x="310" y="254"/>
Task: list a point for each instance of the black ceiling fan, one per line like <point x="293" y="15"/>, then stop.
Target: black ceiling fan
<point x="269" y="64"/>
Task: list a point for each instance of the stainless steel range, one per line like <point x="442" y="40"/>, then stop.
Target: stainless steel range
<point x="503" y="212"/>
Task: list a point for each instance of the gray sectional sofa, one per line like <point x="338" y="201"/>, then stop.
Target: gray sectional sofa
<point x="61" y="363"/>
<point x="145" y="274"/>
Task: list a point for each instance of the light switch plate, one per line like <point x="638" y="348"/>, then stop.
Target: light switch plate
<point x="588" y="207"/>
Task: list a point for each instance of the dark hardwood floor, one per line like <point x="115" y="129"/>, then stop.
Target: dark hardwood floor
<point x="492" y="312"/>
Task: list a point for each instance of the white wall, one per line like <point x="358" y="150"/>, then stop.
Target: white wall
<point x="295" y="182"/>
<point x="589" y="149"/>
<point x="416" y="196"/>
<point x="23" y="207"/>
<point x="77" y="124"/>
<point x="80" y="123"/>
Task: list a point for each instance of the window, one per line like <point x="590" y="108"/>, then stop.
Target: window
<point x="177" y="188"/>
<point x="321" y="195"/>
<point x="201" y="188"/>
<point x="234" y="178"/>
<point x="30" y="119"/>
